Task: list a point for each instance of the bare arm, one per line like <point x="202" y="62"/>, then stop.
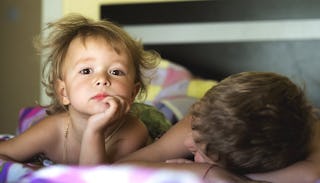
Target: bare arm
<point x="169" y="146"/>
<point x="301" y="172"/>
<point x="37" y="139"/>
<point x="92" y="149"/>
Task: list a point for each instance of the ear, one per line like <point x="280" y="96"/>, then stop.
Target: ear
<point x="135" y="91"/>
<point x="62" y="93"/>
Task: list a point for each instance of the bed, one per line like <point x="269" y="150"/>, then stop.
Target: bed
<point x="201" y="42"/>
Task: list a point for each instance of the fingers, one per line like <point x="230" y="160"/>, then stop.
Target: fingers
<point x="116" y="108"/>
<point x="116" y="105"/>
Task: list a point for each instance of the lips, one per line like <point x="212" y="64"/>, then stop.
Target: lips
<point x="100" y="96"/>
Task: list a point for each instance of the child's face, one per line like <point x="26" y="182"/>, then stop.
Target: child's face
<point x="92" y="72"/>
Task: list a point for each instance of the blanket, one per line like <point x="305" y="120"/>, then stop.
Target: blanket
<point x="16" y="172"/>
<point x="116" y="174"/>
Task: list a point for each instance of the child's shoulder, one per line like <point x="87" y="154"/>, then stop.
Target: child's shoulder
<point x="52" y="121"/>
<point x="132" y="122"/>
<point x="60" y="117"/>
<point x="131" y="126"/>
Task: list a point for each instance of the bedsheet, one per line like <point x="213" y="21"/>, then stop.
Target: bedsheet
<point x="18" y="172"/>
<point x="13" y="172"/>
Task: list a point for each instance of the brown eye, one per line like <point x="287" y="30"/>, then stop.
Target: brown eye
<point x="117" y="72"/>
<point x="86" y="71"/>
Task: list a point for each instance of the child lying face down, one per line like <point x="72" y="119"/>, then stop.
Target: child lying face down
<point x="248" y="123"/>
<point x="252" y="122"/>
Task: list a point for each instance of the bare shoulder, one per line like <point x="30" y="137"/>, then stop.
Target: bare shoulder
<point x="51" y="124"/>
<point x="133" y="128"/>
<point x="52" y="131"/>
<point x="48" y="131"/>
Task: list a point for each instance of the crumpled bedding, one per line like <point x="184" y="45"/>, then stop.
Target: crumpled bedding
<point x="116" y="174"/>
<point x="173" y="89"/>
<point x="14" y="172"/>
<point x="24" y="173"/>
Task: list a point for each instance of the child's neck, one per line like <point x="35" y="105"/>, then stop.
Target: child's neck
<point x="77" y="125"/>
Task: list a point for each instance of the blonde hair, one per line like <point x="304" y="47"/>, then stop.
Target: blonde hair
<point x="66" y="29"/>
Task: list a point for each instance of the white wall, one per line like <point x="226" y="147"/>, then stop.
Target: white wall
<point x="51" y="10"/>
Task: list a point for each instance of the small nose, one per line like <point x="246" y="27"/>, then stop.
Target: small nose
<point x="103" y="82"/>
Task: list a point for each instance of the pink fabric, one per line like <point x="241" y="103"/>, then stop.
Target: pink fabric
<point x="29" y="116"/>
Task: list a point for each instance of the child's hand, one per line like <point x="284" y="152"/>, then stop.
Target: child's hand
<point x="116" y="108"/>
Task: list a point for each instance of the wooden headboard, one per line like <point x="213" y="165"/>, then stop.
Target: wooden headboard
<point x="216" y="38"/>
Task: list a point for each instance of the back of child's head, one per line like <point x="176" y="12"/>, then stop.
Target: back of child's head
<point x="254" y="122"/>
<point x="66" y="29"/>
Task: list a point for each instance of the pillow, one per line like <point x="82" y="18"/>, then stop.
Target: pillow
<point x="198" y="87"/>
<point x="168" y="80"/>
<point x="176" y="108"/>
<point x="173" y="89"/>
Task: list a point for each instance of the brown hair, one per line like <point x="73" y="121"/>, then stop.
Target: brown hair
<point x="72" y="26"/>
<point x="254" y="122"/>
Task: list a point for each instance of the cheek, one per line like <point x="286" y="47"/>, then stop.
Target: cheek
<point x="77" y="90"/>
<point x="125" y="89"/>
<point x="189" y="144"/>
